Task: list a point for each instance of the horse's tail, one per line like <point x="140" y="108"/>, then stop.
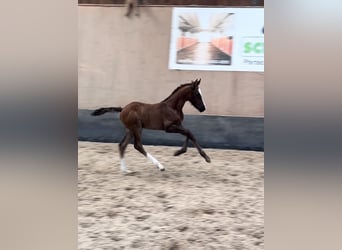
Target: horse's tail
<point x="101" y="111"/>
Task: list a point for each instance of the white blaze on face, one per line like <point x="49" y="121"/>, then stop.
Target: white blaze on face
<point x="199" y="90"/>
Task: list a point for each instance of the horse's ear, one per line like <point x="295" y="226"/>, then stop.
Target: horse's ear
<point x="197" y="82"/>
<point x="194" y="84"/>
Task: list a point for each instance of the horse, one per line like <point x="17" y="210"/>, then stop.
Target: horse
<point x="130" y="6"/>
<point x="166" y="115"/>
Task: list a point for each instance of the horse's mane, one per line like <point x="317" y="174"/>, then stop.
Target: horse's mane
<point x="173" y="92"/>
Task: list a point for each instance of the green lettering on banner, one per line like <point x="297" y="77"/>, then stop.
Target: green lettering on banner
<point x="247" y="47"/>
<point x="257" y="48"/>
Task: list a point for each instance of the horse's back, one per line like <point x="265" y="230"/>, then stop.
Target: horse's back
<point x="147" y="115"/>
<point x="133" y="106"/>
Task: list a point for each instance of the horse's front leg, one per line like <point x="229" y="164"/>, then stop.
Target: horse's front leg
<point x="183" y="149"/>
<point x="180" y="129"/>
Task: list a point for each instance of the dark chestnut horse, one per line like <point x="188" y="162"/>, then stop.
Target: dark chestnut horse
<point x="166" y="115"/>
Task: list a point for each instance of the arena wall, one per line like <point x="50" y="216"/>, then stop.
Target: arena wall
<point x="124" y="59"/>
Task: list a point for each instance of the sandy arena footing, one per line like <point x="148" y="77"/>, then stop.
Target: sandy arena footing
<point x="191" y="205"/>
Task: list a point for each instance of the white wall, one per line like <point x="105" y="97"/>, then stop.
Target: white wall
<point x="121" y="60"/>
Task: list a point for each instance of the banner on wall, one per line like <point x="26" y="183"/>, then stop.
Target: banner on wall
<point x="222" y="39"/>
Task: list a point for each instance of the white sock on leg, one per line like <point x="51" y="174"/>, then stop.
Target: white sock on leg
<point x="155" y="161"/>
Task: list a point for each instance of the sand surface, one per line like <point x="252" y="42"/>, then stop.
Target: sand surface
<point x="191" y="205"/>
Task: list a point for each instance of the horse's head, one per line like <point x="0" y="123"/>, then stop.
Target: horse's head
<point x="196" y="98"/>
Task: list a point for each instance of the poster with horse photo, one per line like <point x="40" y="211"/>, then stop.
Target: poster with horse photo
<point x="227" y="39"/>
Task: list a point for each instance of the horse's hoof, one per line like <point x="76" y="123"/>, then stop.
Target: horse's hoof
<point x="162" y="169"/>
<point x="129" y="173"/>
<point x="207" y="159"/>
<point x="179" y="152"/>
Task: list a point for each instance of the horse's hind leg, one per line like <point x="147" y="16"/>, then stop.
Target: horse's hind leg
<point x="138" y="146"/>
<point x="122" y="147"/>
<point x="136" y="7"/>
<point x="129" y="6"/>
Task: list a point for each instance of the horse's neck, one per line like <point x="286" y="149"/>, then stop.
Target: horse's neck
<point x="177" y="100"/>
